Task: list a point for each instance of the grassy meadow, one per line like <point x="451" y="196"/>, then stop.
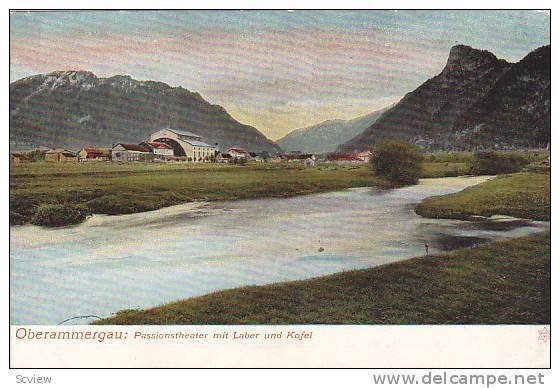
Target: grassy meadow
<point x="505" y="282"/>
<point x="111" y="188"/>
<point x="444" y="169"/>
<point x="523" y="195"/>
<point x="56" y="194"/>
<point x="448" y="164"/>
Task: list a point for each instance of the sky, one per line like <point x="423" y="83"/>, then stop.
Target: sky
<point x="275" y="70"/>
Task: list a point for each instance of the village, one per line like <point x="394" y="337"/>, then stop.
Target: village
<point x="173" y="145"/>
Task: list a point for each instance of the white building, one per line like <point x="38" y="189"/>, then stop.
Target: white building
<point x="364" y="156"/>
<point x="130" y="153"/>
<point x="185" y="143"/>
<point x="238" y="153"/>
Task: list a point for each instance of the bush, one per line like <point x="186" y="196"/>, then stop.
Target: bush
<point x="240" y="161"/>
<point x="16" y="218"/>
<point x="493" y="163"/>
<point x="449" y="157"/>
<point x="59" y="215"/>
<point x="114" y="204"/>
<point x="399" y="161"/>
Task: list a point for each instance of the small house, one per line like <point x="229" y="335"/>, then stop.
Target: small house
<point x="364" y="156"/>
<point x="19" y="158"/>
<point x="341" y="158"/>
<point x="238" y="153"/>
<point x="122" y="152"/>
<point x="223" y="158"/>
<point x="309" y="162"/>
<point x="92" y="154"/>
<point x="61" y="155"/>
<point x="297" y="157"/>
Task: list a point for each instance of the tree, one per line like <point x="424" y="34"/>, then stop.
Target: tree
<point x="492" y="163"/>
<point x="399" y="161"/>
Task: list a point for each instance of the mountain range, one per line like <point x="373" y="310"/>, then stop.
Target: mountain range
<point x="326" y="136"/>
<point x="74" y="108"/>
<point x="477" y="101"/>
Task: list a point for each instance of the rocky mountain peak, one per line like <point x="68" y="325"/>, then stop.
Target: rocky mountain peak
<point x="122" y="81"/>
<point x="478" y="101"/>
<point x="465" y="59"/>
<point x="56" y="79"/>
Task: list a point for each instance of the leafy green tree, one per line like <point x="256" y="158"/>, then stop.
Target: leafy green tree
<point x="399" y="161"/>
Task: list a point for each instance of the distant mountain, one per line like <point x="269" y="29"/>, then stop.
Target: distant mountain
<point x="327" y="136"/>
<point x="73" y="108"/>
<point x="477" y="101"/>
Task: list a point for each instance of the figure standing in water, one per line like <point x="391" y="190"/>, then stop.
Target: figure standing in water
<point x="427" y="247"/>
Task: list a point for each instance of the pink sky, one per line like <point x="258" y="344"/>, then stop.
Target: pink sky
<point x="274" y="70"/>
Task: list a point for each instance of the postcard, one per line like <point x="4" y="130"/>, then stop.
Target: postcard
<point x="280" y="188"/>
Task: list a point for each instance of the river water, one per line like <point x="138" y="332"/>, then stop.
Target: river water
<point x="110" y="263"/>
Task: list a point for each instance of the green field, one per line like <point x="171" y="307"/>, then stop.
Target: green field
<point x="113" y="188"/>
<point x="524" y="195"/>
<point x="535" y="156"/>
<point x="506" y="282"/>
<point x="444" y="169"/>
<point x="110" y="188"/>
<point x="446" y="164"/>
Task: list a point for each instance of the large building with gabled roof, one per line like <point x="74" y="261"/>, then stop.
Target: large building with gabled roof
<point x="184" y="143"/>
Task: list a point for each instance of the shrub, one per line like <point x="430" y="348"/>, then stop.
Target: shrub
<point x="401" y="162"/>
<point x="114" y="204"/>
<point x="240" y="161"/>
<point x="493" y="163"/>
<point x="59" y="215"/>
<point x="449" y="157"/>
<point x="37" y="155"/>
<point x="16" y="218"/>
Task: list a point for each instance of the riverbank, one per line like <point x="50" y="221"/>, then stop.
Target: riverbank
<point x="523" y="195"/>
<point x="58" y="194"/>
<point x="197" y="248"/>
<point x="506" y="282"/>
<point x="110" y="188"/>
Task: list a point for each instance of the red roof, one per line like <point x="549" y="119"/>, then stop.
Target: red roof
<point x="240" y="150"/>
<point x="133" y="147"/>
<point x="96" y="152"/>
<point x="156" y="144"/>
<point x="343" y="157"/>
<point x="23" y="156"/>
<point x="61" y="151"/>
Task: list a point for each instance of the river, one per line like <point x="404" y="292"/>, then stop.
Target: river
<point x="110" y="263"/>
